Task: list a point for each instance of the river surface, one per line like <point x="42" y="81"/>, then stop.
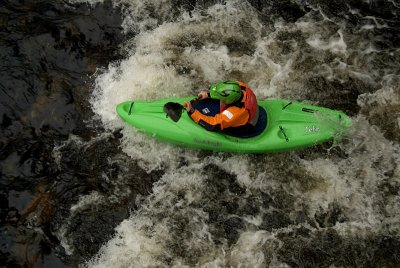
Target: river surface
<point x="81" y="189"/>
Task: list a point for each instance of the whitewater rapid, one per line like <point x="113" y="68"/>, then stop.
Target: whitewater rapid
<point x="225" y="210"/>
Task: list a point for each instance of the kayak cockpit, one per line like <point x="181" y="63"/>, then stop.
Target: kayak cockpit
<point x="211" y="107"/>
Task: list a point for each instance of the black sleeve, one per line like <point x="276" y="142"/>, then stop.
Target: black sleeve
<point x="209" y="127"/>
<point x="191" y="111"/>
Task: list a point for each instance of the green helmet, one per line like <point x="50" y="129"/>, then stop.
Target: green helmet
<point x="227" y="92"/>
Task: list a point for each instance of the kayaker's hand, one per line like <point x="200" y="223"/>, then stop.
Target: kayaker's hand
<point x="187" y="105"/>
<point x="203" y="94"/>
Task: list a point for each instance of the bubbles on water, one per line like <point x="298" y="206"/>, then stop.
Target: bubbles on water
<point x="217" y="209"/>
<point x="382" y="108"/>
<point x="151" y="154"/>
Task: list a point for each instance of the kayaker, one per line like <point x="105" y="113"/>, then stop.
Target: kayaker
<point x="238" y="108"/>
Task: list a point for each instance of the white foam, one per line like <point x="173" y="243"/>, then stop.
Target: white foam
<point x="334" y="44"/>
<point x="248" y="251"/>
<point x="375" y="25"/>
<point x="171" y="58"/>
<point x="87" y="200"/>
<point x="143" y="241"/>
<point x="353" y="182"/>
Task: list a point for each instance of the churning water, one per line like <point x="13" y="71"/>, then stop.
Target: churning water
<point x="86" y="189"/>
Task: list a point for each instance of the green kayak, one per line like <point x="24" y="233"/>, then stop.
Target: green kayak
<point x="288" y="125"/>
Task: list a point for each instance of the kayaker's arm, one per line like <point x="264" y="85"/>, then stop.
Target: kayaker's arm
<point x="231" y="117"/>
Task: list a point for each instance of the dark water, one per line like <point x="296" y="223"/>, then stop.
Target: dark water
<point x="79" y="188"/>
<point x="49" y="50"/>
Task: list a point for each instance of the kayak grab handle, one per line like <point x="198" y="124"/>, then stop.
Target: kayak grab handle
<point x="284" y="133"/>
<point x="130" y="108"/>
<point x="307" y="110"/>
<point x="284" y="107"/>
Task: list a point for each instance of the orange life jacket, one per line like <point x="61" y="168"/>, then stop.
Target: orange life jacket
<point x="239" y="114"/>
<point x="249" y="100"/>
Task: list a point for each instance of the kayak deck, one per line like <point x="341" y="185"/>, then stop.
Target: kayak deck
<point x="290" y="125"/>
